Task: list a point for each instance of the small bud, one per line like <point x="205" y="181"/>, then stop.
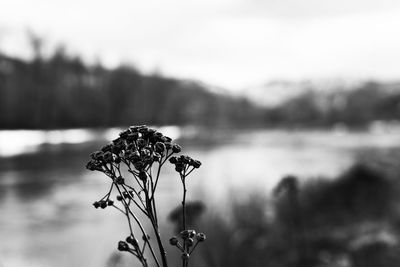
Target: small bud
<point x="164" y="139"/>
<point x="173" y="241"/>
<point x="96" y="155"/>
<point x="179" y="167"/>
<point x="91" y="166"/>
<point x="143" y="129"/>
<point x="134" y="129"/>
<point x="157" y="134"/>
<point x="110" y="202"/>
<point x="119" y="198"/>
<point x="192" y="233"/>
<point x="196" y="164"/>
<point x="127" y="194"/>
<point x="123" y="246"/>
<point x="133" y="241"/>
<point x="173" y="160"/>
<point x="103" y="204"/>
<point x="185" y="159"/>
<point x="139" y="165"/>
<point x="151" y="131"/>
<point x="124" y="134"/>
<point x="159" y="147"/>
<point x="176" y="148"/>
<point x="106" y="148"/>
<point x="184" y="234"/>
<point x="168" y="145"/>
<point x="108" y="157"/>
<point x="118" y="141"/>
<point x="146" y="151"/>
<point x="96" y="204"/>
<point x="201" y="237"/>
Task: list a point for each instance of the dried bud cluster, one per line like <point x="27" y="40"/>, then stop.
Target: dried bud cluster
<point x="183" y="163"/>
<point x="137" y="150"/>
<point x="189" y="239"/>
<point x="103" y="203"/>
<point x="133" y="241"/>
<point x="138" y="145"/>
<point x="130" y="244"/>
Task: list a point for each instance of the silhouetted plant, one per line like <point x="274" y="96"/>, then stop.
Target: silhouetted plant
<point x="142" y="152"/>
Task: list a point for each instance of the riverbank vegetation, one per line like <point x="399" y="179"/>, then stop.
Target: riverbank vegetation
<point x="352" y="220"/>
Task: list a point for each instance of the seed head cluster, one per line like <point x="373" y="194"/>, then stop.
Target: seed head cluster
<point x="189" y="241"/>
<point x="141" y="151"/>
<point x="139" y="146"/>
<point x="183" y="163"/>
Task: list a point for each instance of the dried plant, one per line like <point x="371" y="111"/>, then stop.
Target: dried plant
<point x="133" y="162"/>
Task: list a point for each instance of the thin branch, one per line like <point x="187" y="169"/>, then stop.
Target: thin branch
<point x="141" y="228"/>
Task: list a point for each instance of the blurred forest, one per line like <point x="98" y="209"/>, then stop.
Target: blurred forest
<point x="355" y="107"/>
<point x="62" y="91"/>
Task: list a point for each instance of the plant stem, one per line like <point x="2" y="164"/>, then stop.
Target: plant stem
<point x="160" y="245"/>
<point x="154" y="223"/>
<point x="183" y="205"/>
<point x="184" y="261"/>
<point x="140" y="226"/>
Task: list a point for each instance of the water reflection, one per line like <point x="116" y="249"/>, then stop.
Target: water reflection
<point x="46" y="194"/>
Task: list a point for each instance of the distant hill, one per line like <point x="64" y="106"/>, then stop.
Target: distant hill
<point x="356" y="106"/>
<point x="276" y="92"/>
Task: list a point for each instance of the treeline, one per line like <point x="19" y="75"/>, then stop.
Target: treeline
<point x="354" y="108"/>
<point x="61" y="91"/>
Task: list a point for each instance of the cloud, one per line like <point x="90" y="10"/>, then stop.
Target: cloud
<point x="310" y="9"/>
<point x="231" y="43"/>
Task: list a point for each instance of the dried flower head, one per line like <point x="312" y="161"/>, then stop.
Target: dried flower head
<point x="123" y="246"/>
<point x="142" y="151"/>
<point x="133" y="241"/>
<point x="173" y="241"/>
<point x="201" y="237"/>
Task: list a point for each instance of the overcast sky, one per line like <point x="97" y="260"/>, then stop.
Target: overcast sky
<point x="229" y="43"/>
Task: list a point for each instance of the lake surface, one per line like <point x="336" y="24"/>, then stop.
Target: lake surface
<point x="46" y="193"/>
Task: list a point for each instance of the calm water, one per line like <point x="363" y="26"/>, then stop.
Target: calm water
<point x="46" y="193"/>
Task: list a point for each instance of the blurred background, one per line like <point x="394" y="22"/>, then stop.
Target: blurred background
<point x="293" y="107"/>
